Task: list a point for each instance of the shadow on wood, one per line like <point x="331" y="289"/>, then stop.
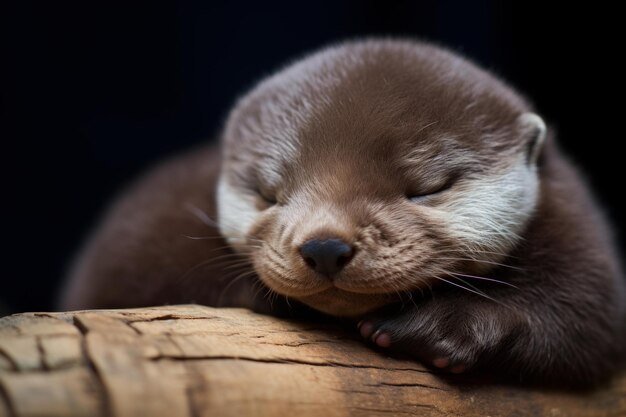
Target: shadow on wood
<point x="200" y="361"/>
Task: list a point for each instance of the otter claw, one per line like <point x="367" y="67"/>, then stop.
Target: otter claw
<point x="382" y="339"/>
<point x="366" y="328"/>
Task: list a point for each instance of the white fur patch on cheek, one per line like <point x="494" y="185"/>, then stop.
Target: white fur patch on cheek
<point x="490" y="213"/>
<point x="236" y="213"/>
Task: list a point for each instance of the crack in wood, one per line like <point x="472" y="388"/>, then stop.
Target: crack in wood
<point x="396" y="412"/>
<point x="133" y="328"/>
<point x="103" y="394"/>
<point x="305" y="329"/>
<point x="398" y="384"/>
<point x="193" y="410"/>
<point x="168" y="317"/>
<point x="296" y="344"/>
<point x="195" y="387"/>
<point x="4" y="396"/>
<point x="355" y="391"/>
<point x="64" y="317"/>
<point x="10" y="360"/>
<point x="331" y="364"/>
<point x="42" y="354"/>
<point x="82" y="328"/>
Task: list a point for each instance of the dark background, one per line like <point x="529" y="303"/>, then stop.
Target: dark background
<point x="92" y="94"/>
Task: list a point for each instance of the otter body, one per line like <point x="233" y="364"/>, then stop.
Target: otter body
<point x="393" y="183"/>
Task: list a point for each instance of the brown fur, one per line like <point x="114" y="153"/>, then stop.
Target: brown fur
<point x="332" y="147"/>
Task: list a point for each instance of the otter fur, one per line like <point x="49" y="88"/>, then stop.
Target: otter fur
<point x="390" y="182"/>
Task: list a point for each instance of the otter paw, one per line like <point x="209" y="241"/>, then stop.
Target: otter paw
<point x="447" y="354"/>
<point x="450" y="339"/>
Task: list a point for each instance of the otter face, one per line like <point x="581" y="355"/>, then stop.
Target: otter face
<point x="373" y="169"/>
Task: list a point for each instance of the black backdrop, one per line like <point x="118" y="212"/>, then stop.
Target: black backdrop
<point x="93" y="93"/>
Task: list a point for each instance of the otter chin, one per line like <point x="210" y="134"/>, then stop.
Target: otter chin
<point x="337" y="302"/>
<point x="370" y="173"/>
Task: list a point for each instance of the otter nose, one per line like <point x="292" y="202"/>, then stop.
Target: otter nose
<point x="326" y="257"/>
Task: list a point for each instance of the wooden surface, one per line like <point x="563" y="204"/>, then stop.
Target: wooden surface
<point x="199" y="361"/>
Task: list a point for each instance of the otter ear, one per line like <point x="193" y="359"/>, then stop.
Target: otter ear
<point x="533" y="129"/>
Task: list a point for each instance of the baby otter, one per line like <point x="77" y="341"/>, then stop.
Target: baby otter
<point x="388" y="181"/>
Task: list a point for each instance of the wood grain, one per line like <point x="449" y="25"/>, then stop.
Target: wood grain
<point x="198" y="361"/>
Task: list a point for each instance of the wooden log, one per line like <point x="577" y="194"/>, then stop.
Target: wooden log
<point x="199" y="361"/>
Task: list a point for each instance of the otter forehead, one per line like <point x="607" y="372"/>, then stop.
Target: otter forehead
<point x="379" y="101"/>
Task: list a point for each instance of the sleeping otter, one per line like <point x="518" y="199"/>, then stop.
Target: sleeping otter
<point x="391" y="182"/>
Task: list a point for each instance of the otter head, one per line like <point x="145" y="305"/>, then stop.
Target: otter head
<point x="373" y="169"/>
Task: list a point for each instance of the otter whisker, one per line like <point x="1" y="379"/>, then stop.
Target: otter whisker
<point x="229" y="255"/>
<point x="271" y="296"/>
<point x="239" y="277"/>
<point x="477" y="260"/>
<point x="230" y="247"/>
<point x="267" y="294"/>
<point x="237" y="264"/>
<point x="484" y="278"/>
<point x="225" y="265"/>
<point x="201" y="215"/>
<point x="410" y="295"/>
<point x="396" y="289"/>
<point x="207" y="220"/>
<point x="247" y="245"/>
<point x="423" y="282"/>
<point x="193" y="269"/>
<point x="464" y="251"/>
<point x="202" y="237"/>
<point x="260" y="288"/>
<point x="480" y="293"/>
<point x="506" y="255"/>
<point x="206" y="263"/>
<point x="466" y="283"/>
<point x="216" y="238"/>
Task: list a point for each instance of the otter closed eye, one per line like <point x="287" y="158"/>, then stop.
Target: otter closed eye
<point x="421" y="197"/>
<point x="266" y="198"/>
<point x="394" y="183"/>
